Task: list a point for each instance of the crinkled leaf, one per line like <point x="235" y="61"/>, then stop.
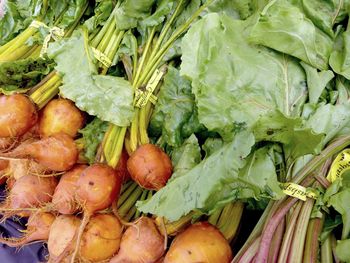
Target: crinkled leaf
<point x="128" y="46"/>
<point x="329" y="225"/>
<point x="19" y="75"/>
<point x="324" y="14"/>
<point x="297" y="140"/>
<point x="330" y="120"/>
<point x="11" y="21"/>
<point x="20" y="13"/>
<point x="235" y="83"/>
<point x="175" y="108"/>
<point x="67" y="11"/>
<point x="239" y="9"/>
<point x="259" y="175"/>
<point x="164" y="7"/>
<point x="131" y="11"/>
<point x="340" y="57"/>
<point x="284" y="27"/>
<point x="342" y="250"/>
<point x="211" y="183"/>
<point x="332" y="190"/>
<point x="211" y="145"/>
<point x="340" y="202"/>
<point x="102" y="11"/>
<point x="109" y="98"/>
<point x="93" y="134"/>
<point x="185" y="157"/>
<point x="316" y="81"/>
<point x="343" y="88"/>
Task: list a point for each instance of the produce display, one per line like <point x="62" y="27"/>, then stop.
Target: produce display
<point x="149" y="131"/>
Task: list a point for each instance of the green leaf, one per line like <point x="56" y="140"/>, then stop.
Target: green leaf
<point x="93" y="134"/>
<point x="131" y="11"/>
<point x="329" y="225"/>
<point x="297" y="140"/>
<point x="102" y="11"/>
<point x="259" y="175"/>
<point x="340" y="57"/>
<point x="20" y="75"/>
<point x="316" y="81"/>
<point x="11" y="21"/>
<point x="185" y="157"/>
<point x="325" y="14"/>
<point x="175" y="108"/>
<point x="211" y="183"/>
<point x="211" y="145"/>
<point x="342" y="250"/>
<point x="239" y="9"/>
<point x="340" y="202"/>
<point x="70" y="14"/>
<point x="343" y="88"/>
<point x="234" y="82"/>
<point x="109" y="98"/>
<point x="164" y="7"/>
<point x="281" y="23"/>
<point x="331" y="120"/>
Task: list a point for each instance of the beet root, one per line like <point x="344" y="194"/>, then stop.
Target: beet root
<point x="63" y="199"/>
<point x="62" y="237"/>
<point x="38" y="229"/>
<point x="141" y="243"/>
<point x="150" y="167"/>
<point x="17" y="115"/>
<point x="60" y="115"/>
<point x="57" y="152"/>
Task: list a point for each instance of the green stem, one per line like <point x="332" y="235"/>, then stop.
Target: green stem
<point x="214" y="217"/>
<point x="142" y="198"/>
<point x="288" y="236"/>
<point x="126" y="194"/>
<point x="130" y="214"/>
<point x="254" y="235"/>
<point x="36" y="53"/>
<point x="17" y="54"/>
<point x="107" y="38"/>
<point x="134" y="131"/>
<point x="130" y="202"/>
<point x="311" y="248"/>
<point x="111" y="53"/>
<point x="154" y="62"/>
<point x="143" y="123"/>
<point x="326" y="250"/>
<point x="96" y="41"/>
<point x="144" y="56"/>
<point x="166" y="28"/>
<point x="44" y="91"/>
<point x="297" y="247"/>
<point x="125" y="186"/>
<point x="32" y="52"/>
<point x="18" y="41"/>
<point x="112" y="49"/>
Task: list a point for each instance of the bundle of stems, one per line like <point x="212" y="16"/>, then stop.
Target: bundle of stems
<point x="143" y="68"/>
<point x="286" y="229"/>
<point x="106" y="41"/>
<point x="20" y="47"/>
